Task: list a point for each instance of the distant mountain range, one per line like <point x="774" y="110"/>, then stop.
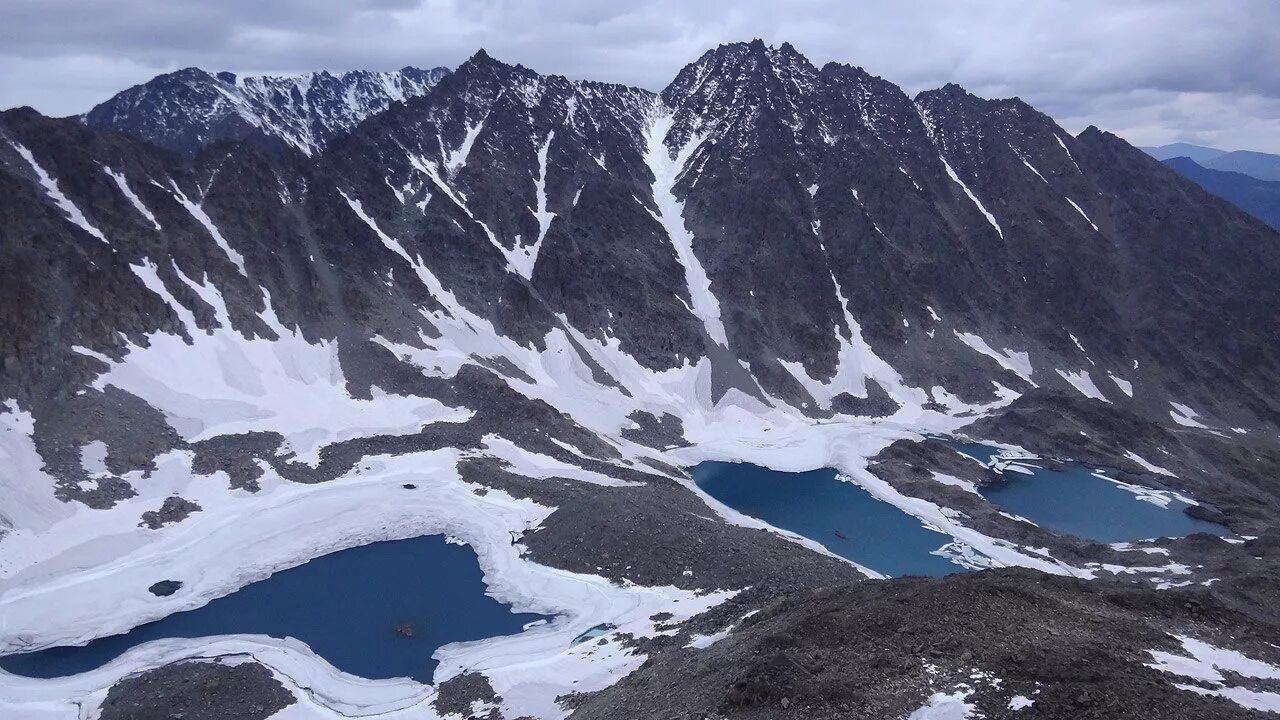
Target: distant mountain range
<point x="1263" y="166"/>
<point x="189" y="109"/>
<point x="1260" y="198"/>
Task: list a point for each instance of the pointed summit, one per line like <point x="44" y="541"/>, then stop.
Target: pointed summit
<point x="482" y="62"/>
<point x="745" y="81"/>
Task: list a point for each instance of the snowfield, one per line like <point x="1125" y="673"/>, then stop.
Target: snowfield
<point x="69" y="574"/>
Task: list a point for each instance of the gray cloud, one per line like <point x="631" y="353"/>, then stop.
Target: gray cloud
<point x="1152" y="70"/>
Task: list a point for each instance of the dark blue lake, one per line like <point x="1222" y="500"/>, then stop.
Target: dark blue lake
<point x="841" y="516"/>
<point x="376" y="611"/>
<point x="1069" y="498"/>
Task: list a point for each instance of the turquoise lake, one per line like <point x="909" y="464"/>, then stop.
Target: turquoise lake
<point x="841" y="516"/>
<point x="376" y="611"/>
<point x="1070" y="498"/>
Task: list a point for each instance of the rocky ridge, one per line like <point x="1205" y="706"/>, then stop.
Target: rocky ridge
<point x="611" y="278"/>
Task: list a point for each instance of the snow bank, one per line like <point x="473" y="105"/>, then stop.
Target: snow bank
<point x="1205" y="664"/>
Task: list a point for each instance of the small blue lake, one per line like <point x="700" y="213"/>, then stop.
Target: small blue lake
<point x="840" y="515"/>
<point x="1070" y="498"/>
<point x="376" y="611"/>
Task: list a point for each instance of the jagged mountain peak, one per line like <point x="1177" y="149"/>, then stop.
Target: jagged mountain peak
<point x="739" y="64"/>
<point x="509" y="283"/>
<point x="741" y="93"/>
<point x="191" y="108"/>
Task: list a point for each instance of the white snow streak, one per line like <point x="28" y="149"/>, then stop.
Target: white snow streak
<point x="147" y="273"/>
<point x="387" y="242"/>
<point x="125" y="190"/>
<point x="199" y="214"/>
<point x="666" y="170"/>
<point x="1030" y="167"/>
<point x="55" y="193"/>
<point x="453" y="161"/>
<point x="706" y="641"/>
<point x="990" y="218"/>
<point x="1067" y="150"/>
<point x="1125" y="386"/>
<point x="1081" y="211"/>
<point x="428" y="168"/>
<point x="523" y="259"/>
<point x="1146" y="465"/>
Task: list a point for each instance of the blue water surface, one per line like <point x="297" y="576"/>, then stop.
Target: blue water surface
<point x="818" y="505"/>
<point x="1069" y="498"/>
<point x="346" y="606"/>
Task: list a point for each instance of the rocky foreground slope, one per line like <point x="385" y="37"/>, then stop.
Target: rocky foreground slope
<point x="537" y="299"/>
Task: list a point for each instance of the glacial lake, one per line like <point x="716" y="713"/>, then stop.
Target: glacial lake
<point x="1071" y="498"/>
<point x="840" y="515"/>
<point x="376" y="611"/>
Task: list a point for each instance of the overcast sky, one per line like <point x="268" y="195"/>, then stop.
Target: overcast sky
<point x="1203" y="71"/>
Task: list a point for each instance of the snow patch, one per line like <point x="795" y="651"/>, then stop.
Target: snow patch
<point x="706" y="641"/>
<point x="1020" y="702"/>
<point x="1185" y="416"/>
<point x="1125" y="386"/>
<point x="1082" y="382"/>
<point x="954" y="481"/>
<point x="57" y="196"/>
<point x="1019" y="363"/>
<point x="1205" y="663"/>
<point x="1146" y="465"/>
<point x="946" y="706"/>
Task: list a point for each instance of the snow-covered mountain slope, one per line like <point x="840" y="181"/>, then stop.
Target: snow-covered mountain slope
<point x="534" y="300"/>
<point x="189" y="109"/>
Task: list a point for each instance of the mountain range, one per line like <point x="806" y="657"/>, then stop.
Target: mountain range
<point x="1260" y="198"/>
<point x="190" y="109"/>
<point x="1259" y="165"/>
<point x="218" y="293"/>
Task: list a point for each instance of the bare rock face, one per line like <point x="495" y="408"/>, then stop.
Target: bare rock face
<point x="175" y="509"/>
<point x="198" y="691"/>
<point x="165" y="588"/>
